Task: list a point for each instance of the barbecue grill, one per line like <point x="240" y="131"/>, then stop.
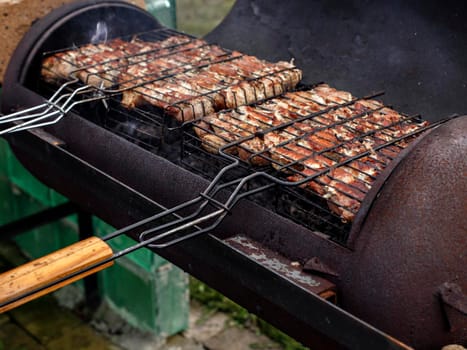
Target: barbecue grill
<point x="398" y="268"/>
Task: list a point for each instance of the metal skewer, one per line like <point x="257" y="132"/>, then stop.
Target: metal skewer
<point x="51" y="111"/>
<point x="148" y="238"/>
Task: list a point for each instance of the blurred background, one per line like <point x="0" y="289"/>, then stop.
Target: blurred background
<point x="198" y="17"/>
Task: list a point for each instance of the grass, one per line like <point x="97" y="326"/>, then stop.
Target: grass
<point x="199" y="17"/>
<point x="214" y="301"/>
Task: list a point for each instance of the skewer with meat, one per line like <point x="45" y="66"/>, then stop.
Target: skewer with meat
<point x="314" y="131"/>
<point x="209" y="77"/>
<point x="103" y="61"/>
<point x="228" y="84"/>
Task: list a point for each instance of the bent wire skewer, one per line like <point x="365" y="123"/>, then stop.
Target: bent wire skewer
<point x="56" y="107"/>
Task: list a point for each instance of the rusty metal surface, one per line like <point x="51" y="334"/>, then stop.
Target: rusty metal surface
<point x="373" y="193"/>
<point x="316" y="265"/>
<point x="281" y="265"/>
<point x="414" y="240"/>
<point x="454" y="303"/>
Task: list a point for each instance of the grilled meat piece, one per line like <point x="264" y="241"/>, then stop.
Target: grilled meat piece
<point x="98" y="64"/>
<point x="322" y="138"/>
<point x="142" y="80"/>
<point x="59" y="67"/>
<point x="187" y="78"/>
<point x="222" y="84"/>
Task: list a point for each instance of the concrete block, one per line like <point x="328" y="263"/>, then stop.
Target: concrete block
<point x="204" y="325"/>
<point x="150" y="300"/>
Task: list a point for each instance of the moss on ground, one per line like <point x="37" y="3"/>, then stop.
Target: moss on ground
<point x="214" y="301"/>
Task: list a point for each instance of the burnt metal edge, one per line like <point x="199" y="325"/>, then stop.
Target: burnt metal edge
<point x="292" y="270"/>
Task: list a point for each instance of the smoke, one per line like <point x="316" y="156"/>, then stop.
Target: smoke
<point x="101" y="33"/>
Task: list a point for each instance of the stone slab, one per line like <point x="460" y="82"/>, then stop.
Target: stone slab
<point x="203" y="325"/>
<point x="236" y="338"/>
<point x="13" y="337"/>
<point x="179" y="342"/>
<point x="81" y="337"/>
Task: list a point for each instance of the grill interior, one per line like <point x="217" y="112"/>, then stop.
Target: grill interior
<point x="319" y="142"/>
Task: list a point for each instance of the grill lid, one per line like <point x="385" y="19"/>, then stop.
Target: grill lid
<point x="412" y="49"/>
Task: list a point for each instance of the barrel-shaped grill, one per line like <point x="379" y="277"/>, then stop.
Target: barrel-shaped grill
<point x="337" y="167"/>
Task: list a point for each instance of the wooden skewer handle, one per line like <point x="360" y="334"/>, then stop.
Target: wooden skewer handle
<point x="50" y="268"/>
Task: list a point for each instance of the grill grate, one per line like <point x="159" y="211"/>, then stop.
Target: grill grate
<point x="184" y="77"/>
<point x="332" y="149"/>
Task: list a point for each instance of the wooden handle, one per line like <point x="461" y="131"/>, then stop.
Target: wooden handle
<point x="47" y="269"/>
